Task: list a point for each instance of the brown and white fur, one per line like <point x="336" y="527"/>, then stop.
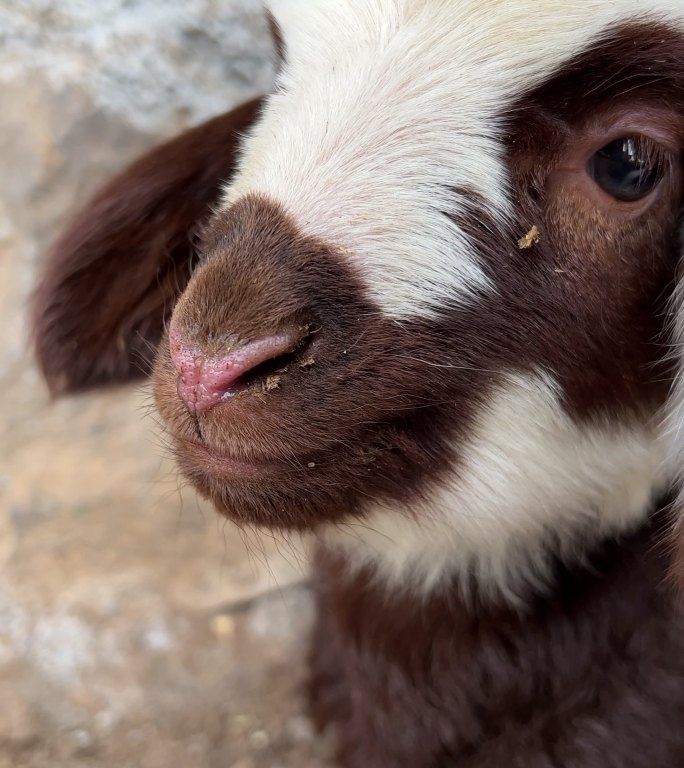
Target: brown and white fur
<point x="484" y="437"/>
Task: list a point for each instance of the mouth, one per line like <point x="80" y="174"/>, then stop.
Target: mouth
<point x="198" y="458"/>
<point x="268" y="493"/>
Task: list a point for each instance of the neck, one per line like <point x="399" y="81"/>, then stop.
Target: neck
<point x="474" y="667"/>
<point x="493" y="561"/>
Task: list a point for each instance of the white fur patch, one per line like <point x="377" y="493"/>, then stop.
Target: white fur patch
<point x="674" y="407"/>
<point x="531" y="483"/>
<point x="386" y="108"/>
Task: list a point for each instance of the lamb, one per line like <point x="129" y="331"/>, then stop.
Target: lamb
<point x="434" y="320"/>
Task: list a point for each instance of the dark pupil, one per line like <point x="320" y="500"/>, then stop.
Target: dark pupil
<point x="625" y="169"/>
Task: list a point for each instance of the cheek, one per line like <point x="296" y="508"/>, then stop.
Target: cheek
<point x="610" y="277"/>
<point x="611" y="263"/>
<point x="583" y="244"/>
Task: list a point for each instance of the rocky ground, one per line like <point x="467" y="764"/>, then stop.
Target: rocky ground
<point x="136" y="629"/>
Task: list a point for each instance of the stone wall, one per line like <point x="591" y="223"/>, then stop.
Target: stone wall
<point x="136" y="629"/>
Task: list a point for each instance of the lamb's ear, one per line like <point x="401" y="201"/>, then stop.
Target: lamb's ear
<point x="111" y="279"/>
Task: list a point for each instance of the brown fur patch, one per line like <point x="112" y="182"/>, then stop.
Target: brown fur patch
<point x="367" y="394"/>
<point x="591" y="677"/>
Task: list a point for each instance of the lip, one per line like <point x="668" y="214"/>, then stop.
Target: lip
<point x="198" y="456"/>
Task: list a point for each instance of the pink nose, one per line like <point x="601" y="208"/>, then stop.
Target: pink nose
<point x="206" y="380"/>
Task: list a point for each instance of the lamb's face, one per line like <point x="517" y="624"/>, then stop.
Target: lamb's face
<point x="430" y="305"/>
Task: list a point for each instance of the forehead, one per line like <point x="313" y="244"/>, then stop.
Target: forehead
<point x="387" y="110"/>
<point x="517" y="40"/>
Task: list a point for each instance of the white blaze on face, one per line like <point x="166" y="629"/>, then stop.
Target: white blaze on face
<point x="386" y="110"/>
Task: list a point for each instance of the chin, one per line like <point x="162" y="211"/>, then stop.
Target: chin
<point x="269" y="494"/>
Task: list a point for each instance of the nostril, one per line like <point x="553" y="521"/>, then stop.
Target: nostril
<point x="205" y="381"/>
<point x="267" y="368"/>
<point x="249" y="360"/>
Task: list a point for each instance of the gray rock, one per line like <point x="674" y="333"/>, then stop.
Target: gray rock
<point x="118" y="643"/>
<point x="155" y="64"/>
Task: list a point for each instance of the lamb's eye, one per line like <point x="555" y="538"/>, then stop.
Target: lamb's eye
<point x="628" y="168"/>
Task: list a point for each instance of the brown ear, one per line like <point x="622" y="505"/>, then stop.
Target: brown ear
<point x="111" y="279"/>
